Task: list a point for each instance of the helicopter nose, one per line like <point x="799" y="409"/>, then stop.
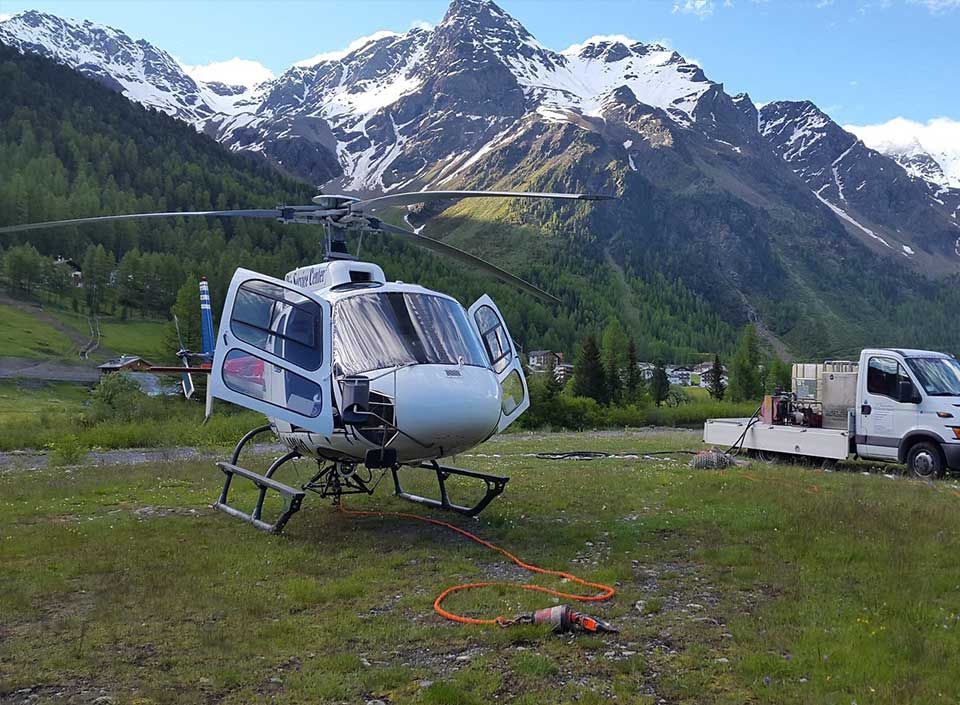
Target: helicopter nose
<point x="452" y="407"/>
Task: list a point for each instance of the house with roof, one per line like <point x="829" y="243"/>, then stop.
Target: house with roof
<point x="124" y="363"/>
<point x="543" y="359"/>
<point x="73" y="269"/>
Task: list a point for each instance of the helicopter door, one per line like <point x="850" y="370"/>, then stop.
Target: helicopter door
<point x="272" y="353"/>
<point x="503" y="357"/>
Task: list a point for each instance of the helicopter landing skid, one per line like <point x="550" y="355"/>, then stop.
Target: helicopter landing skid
<point x="292" y="498"/>
<point x="495" y="484"/>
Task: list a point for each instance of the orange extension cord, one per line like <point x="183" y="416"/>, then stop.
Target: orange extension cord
<point x="605" y="591"/>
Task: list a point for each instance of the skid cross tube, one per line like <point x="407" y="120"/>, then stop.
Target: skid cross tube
<point x="495" y="484"/>
<point x="293" y="498"/>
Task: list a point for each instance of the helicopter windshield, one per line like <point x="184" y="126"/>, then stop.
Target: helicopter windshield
<point x="375" y="331"/>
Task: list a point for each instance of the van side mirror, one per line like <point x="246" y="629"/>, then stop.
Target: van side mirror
<point x="907" y="393"/>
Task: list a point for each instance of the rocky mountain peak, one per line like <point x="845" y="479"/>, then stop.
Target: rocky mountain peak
<point x="136" y="68"/>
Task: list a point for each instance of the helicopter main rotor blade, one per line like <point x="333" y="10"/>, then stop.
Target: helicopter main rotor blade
<point x="407" y="199"/>
<point x="465" y="257"/>
<point x="254" y="213"/>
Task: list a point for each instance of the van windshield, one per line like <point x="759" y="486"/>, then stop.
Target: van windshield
<point x="375" y="331"/>
<point x="940" y="376"/>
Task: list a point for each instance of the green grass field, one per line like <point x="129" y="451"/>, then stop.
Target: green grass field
<point x="137" y="337"/>
<point x="37" y="415"/>
<point x="762" y="584"/>
<point x="24" y="335"/>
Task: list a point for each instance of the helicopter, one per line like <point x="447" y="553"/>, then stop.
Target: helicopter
<point x="358" y="373"/>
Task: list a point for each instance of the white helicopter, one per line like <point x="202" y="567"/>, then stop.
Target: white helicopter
<point x="353" y="370"/>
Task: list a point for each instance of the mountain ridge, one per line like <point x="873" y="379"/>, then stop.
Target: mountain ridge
<point x="706" y="198"/>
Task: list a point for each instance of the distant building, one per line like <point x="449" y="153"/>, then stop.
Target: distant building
<point x="75" y="270"/>
<point x="646" y="370"/>
<point x="706" y="375"/>
<point x="543" y="359"/>
<point x="563" y="372"/>
<point x="124" y="363"/>
<point x="679" y="375"/>
<point x="702" y="369"/>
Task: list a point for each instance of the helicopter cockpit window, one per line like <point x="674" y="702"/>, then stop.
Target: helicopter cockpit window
<point x="495" y="338"/>
<point x="279" y="321"/>
<point x="377" y="331"/>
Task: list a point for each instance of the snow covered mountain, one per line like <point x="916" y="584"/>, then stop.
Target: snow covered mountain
<point x="917" y="162"/>
<point x="895" y="204"/>
<point x="135" y="68"/>
<point x="421" y="106"/>
<point x="355" y="116"/>
<point x="752" y="210"/>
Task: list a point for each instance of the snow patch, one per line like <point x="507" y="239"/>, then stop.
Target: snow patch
<point x="843" y="214"/>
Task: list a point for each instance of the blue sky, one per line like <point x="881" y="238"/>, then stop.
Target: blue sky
<point x="864" y="61"/>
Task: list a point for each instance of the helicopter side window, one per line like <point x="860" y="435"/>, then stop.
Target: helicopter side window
<point x="495" y="338"/>
<point x="259" y="379"/>
<point x="279" y="322"/>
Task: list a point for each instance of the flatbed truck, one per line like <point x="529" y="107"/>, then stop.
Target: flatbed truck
<point x="894" y="405"/>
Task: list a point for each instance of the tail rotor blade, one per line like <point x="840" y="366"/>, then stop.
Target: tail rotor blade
<point x="176" y="323"/>
<point x="465" y="257"/>
<point x="186" y="379"/>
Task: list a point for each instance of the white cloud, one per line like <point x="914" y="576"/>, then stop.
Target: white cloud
<point x="700" y="8"/>
<point x="233" y="72"/>
<point x="421" y="24"/>
<point x="940" y="137"/>
<point x="351" y="47"/>
<point x="936" y="6"/>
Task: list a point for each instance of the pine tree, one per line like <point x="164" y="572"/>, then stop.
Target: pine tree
<point x="588" y="372"/>
<point x="633" y="380"/>
<point x="614" y="359"/>
<point x="98" y="266"/>
<point x="715" y="383"/>
<point x="187" y="310"/>
<point x="780" y="376"/>
<point x="745" y="382"/>
<point x="660" y="384"/>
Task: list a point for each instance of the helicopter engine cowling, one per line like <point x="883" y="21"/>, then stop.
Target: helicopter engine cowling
<point x="447" y="407"/>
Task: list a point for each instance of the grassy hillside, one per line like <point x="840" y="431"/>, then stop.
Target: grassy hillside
<point x="24" y="334"/>
<point x="143" y="337"/>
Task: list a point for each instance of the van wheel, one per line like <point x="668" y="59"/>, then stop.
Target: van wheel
<point x="925" y="460"/>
